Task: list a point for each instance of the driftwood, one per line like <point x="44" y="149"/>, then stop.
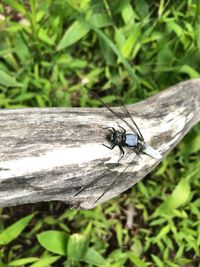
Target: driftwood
<point x="49" y="154"/>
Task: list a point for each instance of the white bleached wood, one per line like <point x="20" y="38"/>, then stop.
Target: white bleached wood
<point x="48" y="154"/>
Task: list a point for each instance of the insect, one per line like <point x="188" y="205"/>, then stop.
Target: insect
<point x="119" y="137"/>
<point x="122" y="139"/>
<point x="133" y="140"/>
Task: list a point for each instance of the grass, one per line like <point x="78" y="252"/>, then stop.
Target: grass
<point x="47" y="50"/>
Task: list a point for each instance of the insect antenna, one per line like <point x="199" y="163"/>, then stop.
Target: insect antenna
<point x="129" y="115"/>
<point x="127" y="112"/>
<point x="117" y="114"/>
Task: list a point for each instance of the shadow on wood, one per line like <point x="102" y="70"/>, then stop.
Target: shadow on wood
<point x="49" y="154"/>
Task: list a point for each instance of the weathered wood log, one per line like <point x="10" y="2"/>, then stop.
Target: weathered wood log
<point x="49" y="154"/>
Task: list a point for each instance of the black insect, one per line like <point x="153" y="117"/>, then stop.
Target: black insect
<point x="123" y="139"/>
<point x="133" y="140"/>
<point x="120" y="138"/>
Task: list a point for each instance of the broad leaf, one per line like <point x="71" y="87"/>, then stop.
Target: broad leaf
<point x="54" y="241"/>
<point x="77" y="247"/>
<point x="94" y="258"/>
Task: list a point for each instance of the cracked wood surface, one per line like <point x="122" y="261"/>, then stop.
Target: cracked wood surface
<point x="49" y="154"/>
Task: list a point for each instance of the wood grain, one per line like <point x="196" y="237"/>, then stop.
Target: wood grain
<point x="49" y="154"/>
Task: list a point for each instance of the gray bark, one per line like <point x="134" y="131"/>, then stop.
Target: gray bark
<point x="49" y="154"/>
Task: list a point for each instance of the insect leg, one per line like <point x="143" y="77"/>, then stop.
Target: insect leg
<point x="124" y="131"/>
<point x="113" y="129"/>
<point x="122" y="152"/>
<point x="111" y="185"/>
<point x="138" y="151"/>
<point x="120" y="174"/>
<point x="110" y="147"/>
<point x="129" y="115"/>
<point x="89" y="184"/>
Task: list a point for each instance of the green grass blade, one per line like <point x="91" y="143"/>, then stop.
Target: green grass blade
<point x="88" y="24"/>
<point x="8" y="81"/>
<point x="13" y="231"/>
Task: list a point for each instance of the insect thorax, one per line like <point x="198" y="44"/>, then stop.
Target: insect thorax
<point x="117" y="138"/>
<point x="131" y="140"/>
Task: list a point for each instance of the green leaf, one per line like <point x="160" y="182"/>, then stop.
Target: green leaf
<point x="44" y="262"/>
<point x="24" y="97"/>
<point x="158" y="262"/>
<point x="198" y="236"/>
<point x="94" y="258"/>
<point x="137" y="248"/>
<point x="137" y="261"/>
<point x="16" y="5"/>
<point x="74" y="33"/>
<point x="77" y="247"/>
<point x="119" y="38"/>
<point x="164" y="58"/>
<point x="127" y="12"/>
<point x="100" y="20"/>
<point x="43" y="36"/>
<point x="119" y="233"/>
<point x="163" y="232"/>
<point x="40" y="101"/>
<point x="4" y="101"/>
<point x="192" y="73"/>
<point x="179" y="197"/>
<point x="191" y="146"/>
<point x="197" y="30"/>
<point x="13" y="231"/>
<point x="23" y="261"/>
<point x="161" y="8"/>
<point x="78" y="30"/>
<point x="7" y="80"/>
<point x="54" y="241"/>
<point x="180" y="251"/>
<point x="142" y="8"/>
<point x="89" y="26"/>
<point x="14" y="27"/>
<point x="114" y="49"/>
<point x="175" y="27"/>
<point x="131" y="41"/>
<point x="119" y="256"/>
<point x="180" y="194"/>
<point x="143" y="189"/>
